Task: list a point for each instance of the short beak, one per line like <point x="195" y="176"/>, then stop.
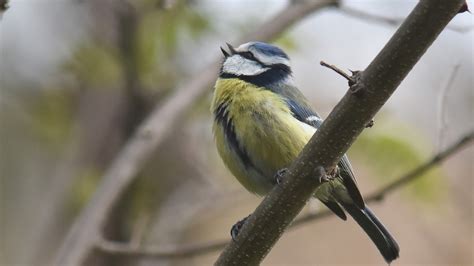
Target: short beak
<point x="224" y="52"/>
<point x="231" y="50"/>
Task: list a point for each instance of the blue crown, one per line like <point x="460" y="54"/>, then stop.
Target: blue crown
<point x="269" y="49"/>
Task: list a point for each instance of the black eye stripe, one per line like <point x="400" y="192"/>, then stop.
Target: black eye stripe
<point x="247" y="55"/>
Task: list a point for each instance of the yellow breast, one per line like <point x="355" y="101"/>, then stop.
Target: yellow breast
<point x="264" y="129"/>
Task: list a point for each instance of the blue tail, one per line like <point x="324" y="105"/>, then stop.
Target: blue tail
<point x="386" y="244"/>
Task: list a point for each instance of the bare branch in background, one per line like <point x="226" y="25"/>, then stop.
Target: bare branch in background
<point x="3" y="7"/>
<point x="87" y="229"/>
<point x="418" y="171"/>
<point x="356" y="13"/>
<point x="403" y="180"/>
<point x="139" y="229"/>
<point x="126" y="249"/>
<point x="374" y="86"/>
<point x="443" y="96"/>
<point x="359" y="14"/>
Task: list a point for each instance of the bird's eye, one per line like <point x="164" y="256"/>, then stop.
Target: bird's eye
<point x="247" y="55"/>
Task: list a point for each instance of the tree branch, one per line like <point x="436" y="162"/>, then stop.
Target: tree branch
<point x="87" y="229"/>
<point x="374" y="86"/>
<point x="128" y="249"/>
<point x="362" y="15"/>
<point x="442" y="99"/>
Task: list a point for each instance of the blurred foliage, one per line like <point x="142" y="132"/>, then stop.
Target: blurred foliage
<point x="158" y="41"/>
<point x="155" y="56"/>
<point x="52" y="116"/>
<point x="155" y="49"/>
<point x="141" y="200"/>
<point x="96" y="65"/>
<point x="390" y="149"/>
<point x="286" y="42"/>
<point x="83" y="188"/>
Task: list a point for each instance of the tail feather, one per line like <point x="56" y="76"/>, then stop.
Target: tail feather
<point x="386" y="244"/>
<point x="384" y="230"/>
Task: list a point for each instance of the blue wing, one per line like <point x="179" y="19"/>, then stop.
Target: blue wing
<point x="302" y="111"/>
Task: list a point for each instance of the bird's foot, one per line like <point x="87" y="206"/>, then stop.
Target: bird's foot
<point x="335" y="172"/>
<point x="280" y="174"/>
<point x="326" y="177"/>
<point x="234" y="231"/>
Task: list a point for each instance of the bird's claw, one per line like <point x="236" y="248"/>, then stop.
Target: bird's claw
<point x="325" y="177"/>
<point x="280" y="174"/>
<point x="234" y="231"/>
<point x="335" y="172"/>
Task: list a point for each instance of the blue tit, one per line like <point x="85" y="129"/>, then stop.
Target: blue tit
<point x="262" y="122"/>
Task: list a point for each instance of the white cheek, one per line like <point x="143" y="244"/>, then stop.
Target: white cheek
<point x="238" y="65"/>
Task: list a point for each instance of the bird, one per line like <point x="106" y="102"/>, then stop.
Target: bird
<point x="261" y="122"/>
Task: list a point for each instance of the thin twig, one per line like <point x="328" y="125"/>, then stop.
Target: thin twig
<point x="338" y="71"/>
<point x="356" y="13"/>
<point x="125" y="249"/>
<point x="443" y="96"/>
<point x="359" y="14"/>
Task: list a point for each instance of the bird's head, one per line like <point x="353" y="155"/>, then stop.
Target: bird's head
<point x="255" y="59"/>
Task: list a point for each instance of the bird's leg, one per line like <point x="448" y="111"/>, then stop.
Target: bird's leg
<point x="334" y="172"/>
<point x="280" y="174"/>
<point x="234" y="231"/>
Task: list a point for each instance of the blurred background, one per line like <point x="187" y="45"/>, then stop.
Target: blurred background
<point x="78" y="76"/>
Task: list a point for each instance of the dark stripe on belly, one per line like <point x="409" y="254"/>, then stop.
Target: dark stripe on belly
<point x="221" y="115"/>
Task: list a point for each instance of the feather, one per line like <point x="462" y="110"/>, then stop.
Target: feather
<point x="335" y="208"/>
<point x="302" y="111"/>
<point x="350" y="182"/>
<point x="382" y="239"/>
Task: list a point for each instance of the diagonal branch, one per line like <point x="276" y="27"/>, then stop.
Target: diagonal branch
<point x="86" y="230"/>
<point x="379" y="194"/>
<point x="373" y="88"/>
<point x="127" y="249"/>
